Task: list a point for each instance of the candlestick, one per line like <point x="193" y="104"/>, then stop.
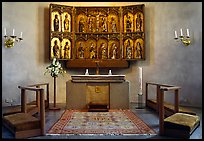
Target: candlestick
<point x="181" y="32"/>
<point x="176" y="34"/>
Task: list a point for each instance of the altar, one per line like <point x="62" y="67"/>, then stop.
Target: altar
<point x="111" y="90"/>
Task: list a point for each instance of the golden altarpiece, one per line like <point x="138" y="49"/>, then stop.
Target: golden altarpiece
<point x="87" y="37"/>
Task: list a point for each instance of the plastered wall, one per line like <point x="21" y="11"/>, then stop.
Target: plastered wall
<point x="167" y="61"/>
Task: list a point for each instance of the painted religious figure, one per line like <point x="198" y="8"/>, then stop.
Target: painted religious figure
<point x="139" y="23"/>
<point x="56" y="23"/>
<point x="128" y="24"/>
<point x="114" y="50"/>
<point x="66" y="23"/>
<point x="81" y="51"/>
<point x="67" y="51"/>
<point x="92" y="51"/>
<point x="113" y="25"/>
<point x="128" y="50"/>
<point x="103" y="51"/>
<point x="56" y="50"/>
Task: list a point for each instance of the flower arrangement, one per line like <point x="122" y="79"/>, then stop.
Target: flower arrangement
<point x="55" y="68"/>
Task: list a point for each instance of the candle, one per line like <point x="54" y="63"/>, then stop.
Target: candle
<point x="110" y="72"/>
<point x="21" y="35"/>
<point x="5" y="31"/>
<point x="13" y="32"/>
<point x="181" y="32"/>
<point x="87" y="72"/>
<point x="140" y="80"/>
<point x="176" y="35"/>
<point x="188" y="35"/>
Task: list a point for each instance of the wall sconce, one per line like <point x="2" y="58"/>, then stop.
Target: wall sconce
<point x="10" y="40"/>
<point x="184" y="39"/>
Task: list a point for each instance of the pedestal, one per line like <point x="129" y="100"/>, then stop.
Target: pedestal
<point x="54" y="108"/>
<point x="140" y="103"/>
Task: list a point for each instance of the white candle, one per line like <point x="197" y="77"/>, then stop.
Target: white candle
<point x="188" y="35"/>
<point x="181" y="32"/>
<point x="13" y="32"/>
<point x="176" y="35"/>
<point x="110" y="72"/>
<point x="140" y="80"/>
<point x="87" y="72"/>
<point x="5" y="31"/>
<point x="21" y="35"/>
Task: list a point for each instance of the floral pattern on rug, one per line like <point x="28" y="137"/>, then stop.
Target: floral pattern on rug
<point x="118" y="122"/>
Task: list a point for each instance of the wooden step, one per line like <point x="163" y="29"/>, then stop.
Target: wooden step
<point x="97" y="107"/>
<point x="98" y="110"/>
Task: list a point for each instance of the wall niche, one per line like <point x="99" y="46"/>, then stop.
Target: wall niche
<point x="87" y="37"/>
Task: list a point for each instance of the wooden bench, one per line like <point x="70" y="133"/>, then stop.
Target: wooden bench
<point x="31" y="107"/>
<point x="23" y="124"/>
<point x="169" y="108"/>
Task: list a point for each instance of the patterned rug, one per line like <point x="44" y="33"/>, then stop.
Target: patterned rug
<point x="115" y="122"/>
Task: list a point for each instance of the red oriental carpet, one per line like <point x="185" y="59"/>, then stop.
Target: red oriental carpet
<point x="114" y="122"/>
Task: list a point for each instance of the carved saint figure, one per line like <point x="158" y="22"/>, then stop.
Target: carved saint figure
<point x="90" y="24"/>
<point x="138" y="23"/>
<point x="81" y="51"/>
<point x="128" y="50"/>
<point x="92" y="51"/>
<point x="103" y="51"/>
<point x="113" y="25"/>
<point x="81" y="25"/>
<point x="97" y="22"/>
<point x="114" y="49"/>
<point x="104" y="25"/>
<point x="128" y="24"/>
<point x="56" y="50"/>
<point x="67" y="51"/>
<point x="56" y="23"/>
<point x="66" y="23"/>
<point x="138" y="50"/>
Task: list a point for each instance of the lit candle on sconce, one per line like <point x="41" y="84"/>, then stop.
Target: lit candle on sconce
<point x="21" y="35"/>
<point x="181" y="32"/>
<point x="188" y="35"/>
<point x="176" y="35"/>
<point x="5" y="31"/>
<point x="13" y="31"/>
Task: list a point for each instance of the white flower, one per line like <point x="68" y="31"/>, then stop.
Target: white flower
<point x="55" y="68"/>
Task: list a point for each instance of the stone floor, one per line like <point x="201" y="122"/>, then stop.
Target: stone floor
<point x="149" y="116"/>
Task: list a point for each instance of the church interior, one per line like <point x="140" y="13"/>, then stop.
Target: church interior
<point x="102" y="70"/>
